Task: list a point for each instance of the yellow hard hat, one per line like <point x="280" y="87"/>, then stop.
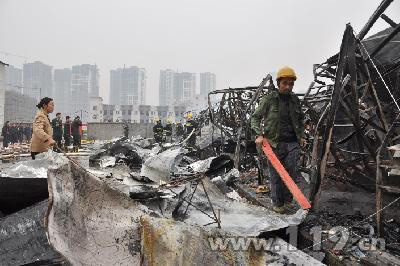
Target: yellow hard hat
<point x="286" y="72"/>
<point x="169" y="120"/>
<point x="190" y="116"/>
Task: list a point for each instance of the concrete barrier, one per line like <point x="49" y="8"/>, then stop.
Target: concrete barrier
<point x="105" y="131"/>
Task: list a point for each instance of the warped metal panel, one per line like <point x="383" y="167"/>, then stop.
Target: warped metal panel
<point x="89" y="222"/>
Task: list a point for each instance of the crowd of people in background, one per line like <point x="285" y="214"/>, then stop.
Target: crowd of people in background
<point x="16" y="133"/>
<point x="70" y="130"/>
<point x="49" y="134"/>
<point x="43" y="133"/>
<point x="189" y="130"/>
<point x="52" y="133"/>
<point x="13" y="133"/>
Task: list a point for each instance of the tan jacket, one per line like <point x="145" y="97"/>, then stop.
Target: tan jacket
<point x="42" y="132"/>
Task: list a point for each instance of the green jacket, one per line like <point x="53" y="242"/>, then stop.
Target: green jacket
<point x="76" y="124"/>
<point x="57" y="128"/>
<point x="268" y="111"/>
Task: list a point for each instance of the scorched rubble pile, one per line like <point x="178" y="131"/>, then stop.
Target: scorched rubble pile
<point x="134" y="201"/>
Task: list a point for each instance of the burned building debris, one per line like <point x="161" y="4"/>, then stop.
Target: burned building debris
<point x="133" y="201"/>
<point x="22" y="185"/>
<point x="23" y="240"/>
<point x="111" y="221"/>
<point x="117" y="152"/>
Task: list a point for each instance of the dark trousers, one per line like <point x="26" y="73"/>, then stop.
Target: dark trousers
<point x="5" y="142"/>
<point x="192" y="141"/>
<point x="67" y="140"/>
<point x="59" y="144"/>
<point x="77" y="142"/>
<point x="158" y="138"/>
<point x="289" y="155"/>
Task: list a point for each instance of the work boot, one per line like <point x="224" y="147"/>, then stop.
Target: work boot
<point x="277" y="209"/>
<point x="262" y="189"/>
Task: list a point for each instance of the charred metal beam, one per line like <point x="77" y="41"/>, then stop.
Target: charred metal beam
<point x="349" y="136"/>
<point x="372" y="124"/>
<point x="243" y="118"/>
<point x="378" y="12"/>
<point x="354" y="105"/>
<point x="340" y="83"/>
<point x="379" y="176"/>
<point x="385" y="41"/>
<point x="359" y="131"/>
<point x="389" y="20"/>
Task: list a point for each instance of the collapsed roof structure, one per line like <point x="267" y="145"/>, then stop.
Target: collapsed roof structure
<point x="352" y="108"/>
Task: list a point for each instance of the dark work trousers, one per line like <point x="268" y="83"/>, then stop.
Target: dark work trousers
<point x="262" y="165"/>
<point x="59" y="144"/>
<point x="289" y="155"/>
<point x="67" y="140"/>
<point x="158" y="138"/>
<point x="6" y="141"/>
<point x="77" y="142"/>
<point x="192" y="141"/>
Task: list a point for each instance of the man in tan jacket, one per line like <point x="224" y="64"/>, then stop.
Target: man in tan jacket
<point x="42" y="138"/>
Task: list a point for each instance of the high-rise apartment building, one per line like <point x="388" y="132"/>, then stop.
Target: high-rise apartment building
<point x="13" y="79"/>
<point x="208" y="83"/>
<point x="62" y="91"/>
<point x="176" y="88"/>
<point x="84" y="84"/>
<point x="128" y="86"/>
<point x="184" y="88"/>
<point x="38" y="81"/>
<point x="166" y="87"/>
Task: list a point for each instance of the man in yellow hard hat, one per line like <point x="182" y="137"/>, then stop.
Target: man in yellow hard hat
<point x="283" y="127"/>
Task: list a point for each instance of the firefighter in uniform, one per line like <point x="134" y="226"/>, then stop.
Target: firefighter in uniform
<point x="168" y="130"/>
<point x="5" y="132"/>
<point x="179" y="130"/>
<point x="57" y="126"/>
<point x="158" y="131"/>
<point x="76" y="134"/>
<point x="67" y="132"/>
<point x="190" y="130"/>
<point x="126" y="130"/>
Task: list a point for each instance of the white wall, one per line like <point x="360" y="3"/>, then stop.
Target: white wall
<point x="96" y="115"/>
<point x="135" y="115"/>
<point x="117" y="114"/>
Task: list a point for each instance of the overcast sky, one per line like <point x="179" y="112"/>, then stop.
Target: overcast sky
<point x="239" y="41"/>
